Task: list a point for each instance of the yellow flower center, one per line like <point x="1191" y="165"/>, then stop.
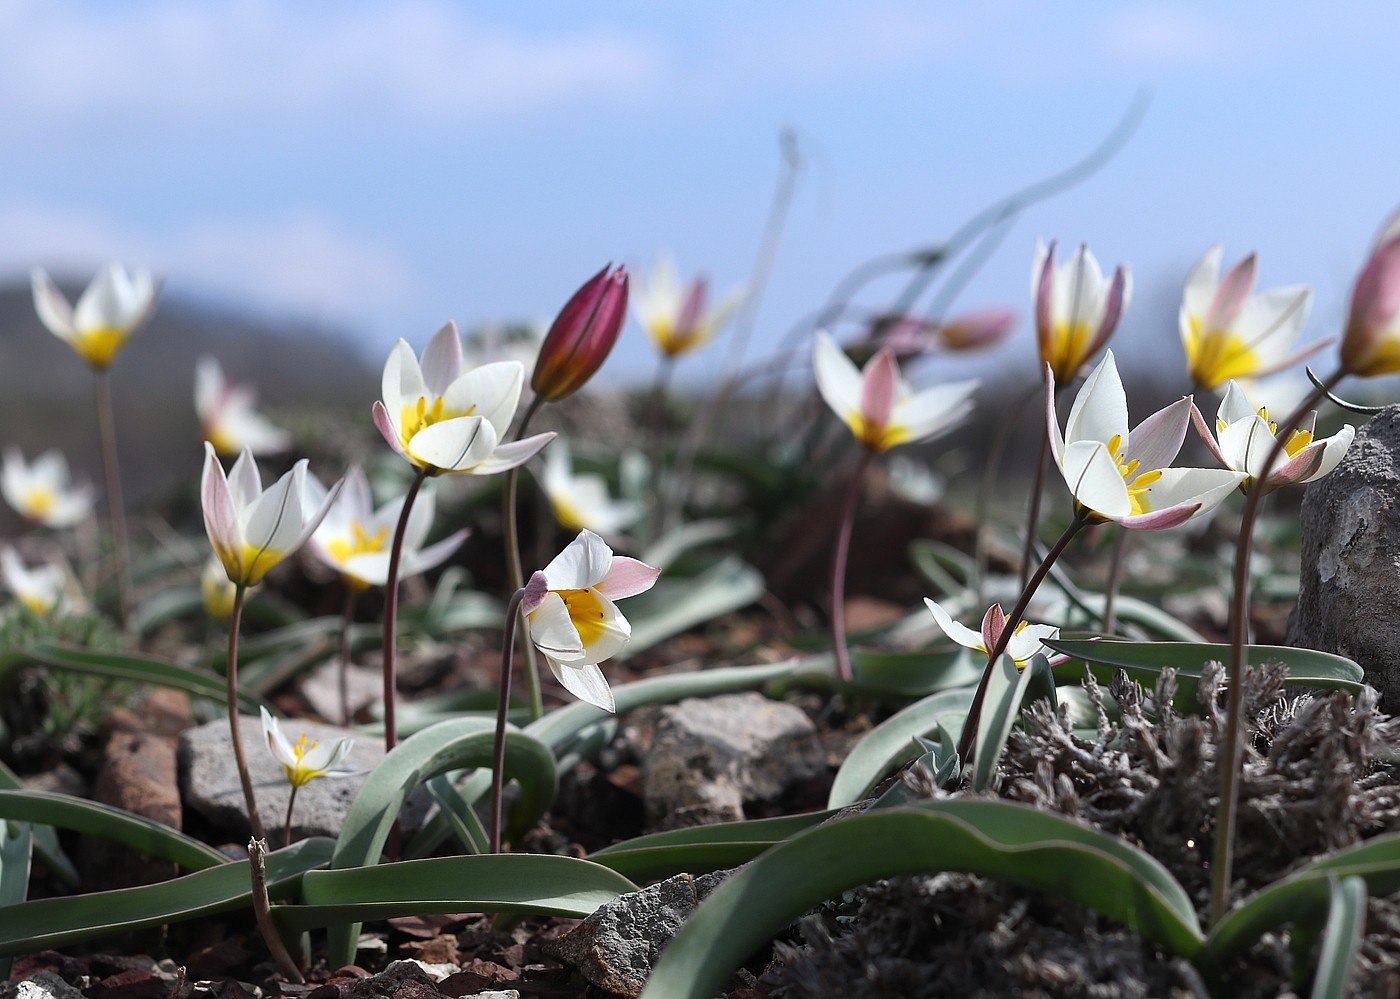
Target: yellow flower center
<point x="298" y="774"/>
<point x="1068" y="348"/>
<point x="358" y="543"/>
<point x="421" y="414"/>
<point x="1139" y="484"/>
<point x="248" y="564"/>
<point x="876" y="436"/>
<point x="586" y="613"/>
<point x="99" y="346"/>
<point x="673" y="340"/>
<point x="222" y="441"/>
<point x="569" y="516"/>
<point x="1213" y="357"/>
<point x="36" y="602"/>
<point x="39" y="501"/>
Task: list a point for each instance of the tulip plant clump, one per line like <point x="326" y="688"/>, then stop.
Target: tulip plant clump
<point x="941" y="699"/>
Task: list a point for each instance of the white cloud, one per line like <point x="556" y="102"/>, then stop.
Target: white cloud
<point x="417" y="60"/>
<point x="1157" y="36"/>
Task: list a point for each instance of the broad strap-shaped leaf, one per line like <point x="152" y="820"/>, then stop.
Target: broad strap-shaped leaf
<point x="127" y="666"/>
<point x="1006" y="689"/>
<point x="95" y="819"/>
<point x="891" y="743"/>
<point x="673" y="605"/>
<point x="503" y="882"/>
<point x="991" y="838"/>
<point x="463" y="818"/>
<point x="16" y="842"/>
<point x="1144" y="661"/>
<point x="452" y="745"/>
<point x="702" y="849"/>
<point x="1341" y="937"/>
<point x="46" y="844"/>
<point x="56" y="922"/>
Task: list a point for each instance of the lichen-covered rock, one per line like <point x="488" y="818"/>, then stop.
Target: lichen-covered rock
<point x="1349" y="590"/>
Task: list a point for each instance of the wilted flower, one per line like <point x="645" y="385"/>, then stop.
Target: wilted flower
<point x="1025" y="641"/>
<point x="571" y="616"/>
<point x="581" y="501"/>
<point x="253" y="529"/>
<point x="1371" y="343"/>
<point x="678" y="318"/>
<point x="1244" y="437"/>
<point x="878" y="405"/>
<point x="445" y="420"/>
<point x="582" y="336"/>
<point x="1076" y="309"/>
<point x="217" y="590"/>
<point x="227" y="417"/>
<point x="1229" y="332"/>
<point x="40" y="589"/>
<point x="1125" y="479"/>
<point x="42" y="493"/>
<point x="113" y="307"/>
<point x="305" y="760"/>
<point x="354" y="538"/>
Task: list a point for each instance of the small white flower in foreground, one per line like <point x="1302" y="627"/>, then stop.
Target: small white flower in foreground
<point x="40" y="589"/>
<point x="446" y="420"/>
<point x="581" y="501"/>
<point x="42" y="492"/>
<point x="1025" y="641"/>
<point x="571" y="617"/>
<point x="1229" y="332"/>
<point x="113" y="307"/>
<point x="303" y="760"/>
<point x="253" y="529"/>
<point x="1244" y="436"/>
<point x="227" y="417"/>
<point x="354" y="538"/>
<point x="878" y="405"/>
<point x="1123" y="478"/>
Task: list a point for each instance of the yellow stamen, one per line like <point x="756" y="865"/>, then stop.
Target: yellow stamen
<point x="99" y="346"/>
<point x="1138" y="485"/>
<point x="39" y="501"/>
<point x="586" y="612"/>
<point x="1299" y="440"/>
<point x="1213" y="357"/>
<point x="358" y="543"/>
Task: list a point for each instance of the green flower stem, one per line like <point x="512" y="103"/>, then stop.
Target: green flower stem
<point x="262" y="912"/>
<point x="391" y="612"/>
<point x="515" y="570"/>
<point x="498" y="756"/>
<point x="287" y="824"/>
<point x="660" y="393"/>
<point x="1115" y="578"/>
<point x="974" y="712"/>
<point x="1033" y="517"/>
<point x="107" y="430"/>
<point x="235" y="622"/>
<point x="1228" y="758"/>
<point x="838" y="568"/>
<point x="347" y="620"/>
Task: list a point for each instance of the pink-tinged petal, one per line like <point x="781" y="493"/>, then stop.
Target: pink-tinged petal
<point x="453" y="445"/>
<point x="1245" y="444"/>
<point x="1120" y="292"/>
<point x="993" y="624"/>
<point x="277" y="742"/>
<point x="441" y="362"/>
<point x="1231" y="293"/>
<point x="535" y="592"/>
<point x="584" y="562"/>
<point x="552" y="630"/>
<point x="1304" y="466"/>
<point x="1095" y="481"/>
<point x="692" y="306"/>
<point x="1289" y="361"/>
<point x="402" y="380"/>
<point x="931" y="411"/>
<point x="1052" y="419"/>
<point x="1157" y="440"/>
<point x="53" y="309"/>
<point x="959" y="633"/>
<point x="1375" y="299"/>
<point x="491" y="391"/>
<point x="1200" y="289"/>
<point x="1204" y="431"/>
<point x="434" y="555"/>
<point x="1182" y="494"/>
<point x="220" y="521"/>
<point x="311" y="518"/>
<point x="1270" y="321"/>
<point x="514" y="454"/>
<point x="585" y="682"/>
<point x="1235" y="405"/>
<point x="1043" y="295"/>
<point x="244" y="482"/>
<point x="610" y="636"/>
<point x="838" y="380"/>
<point x="878" y="386"/>
<point x="1029" y="641"/>
<point x="387" y="430"/>
<point x="1100" y="410"/>
<point x="627" y="577"/>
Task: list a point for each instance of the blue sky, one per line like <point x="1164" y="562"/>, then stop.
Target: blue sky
<point x="381" y="168"/>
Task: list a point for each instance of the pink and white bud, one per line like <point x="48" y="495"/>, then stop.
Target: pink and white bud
<point x="582" y="336"/>
<point x="1371" y="343"/>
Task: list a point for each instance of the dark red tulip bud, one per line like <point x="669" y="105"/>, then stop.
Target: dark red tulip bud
<point x="582" y="336"/>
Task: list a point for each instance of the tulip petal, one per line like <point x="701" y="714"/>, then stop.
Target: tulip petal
<point x="220" y="521"/>
<point x="1182" y="494"/>
<point x="244" y="482"/>
<point x="586" y="682"/>
<point x="387" y="428"/>
<point x="401" y="382"/>
<point x="441" y="363"/>
<point x="929" y="411"/>
<point x="514" y="454"/>
<point x="626" y="577"/>
<point x="423" y="559"/>
<point x="1200" y="289"/>
<point x="1100" y="410"/>
<point x="1095" y="480"/>
<point x="959" y="633"/>
<point x="53" y="309"/>
<point x="491" y="391"/>
<point x="878" y="387"/>
<point x="1156" y="441"/>
<point x="838" y="380"/>
<point x="585" y="561"/>
<point x="553" y="632"/>
<point x="457" y="445"/>
<point x="1231" y="294"/>
<point x="1030" y="640"/>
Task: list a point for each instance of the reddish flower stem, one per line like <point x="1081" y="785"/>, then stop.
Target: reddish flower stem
<point x="498" y="755"/>
<point x="515" y="571"/>
<point x="235" y="621"/>
<point x="838" y="568"/>
<point x="391" y="612"/>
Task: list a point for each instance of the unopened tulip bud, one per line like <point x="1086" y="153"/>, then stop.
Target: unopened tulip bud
<point x="582" y="336"/>
<point x="1371" y="343"/>
<point x="974" y="330"/>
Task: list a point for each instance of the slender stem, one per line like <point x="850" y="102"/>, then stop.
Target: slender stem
<point x="660" y="392"/>
<point x="391" y="612"/>
<point x="1228" y="757"/>
<point x="1033" y="517"/>
<point x="498" y="755"/>
<point x="287" y="823"/>
<point x="262" y="911"/>
<point x="974" y="713"/>
<point x="235" y="621"/>
<point x="1115" y="574"/>
<point x="838" y="568"/>
<point x="107" y="429"/>
<point x="515" y="571"/>
<point x="987" y="484"/>
<point x="347" y="620"/>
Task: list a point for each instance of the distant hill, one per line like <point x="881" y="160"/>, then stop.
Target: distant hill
<point x="46" y="391"/>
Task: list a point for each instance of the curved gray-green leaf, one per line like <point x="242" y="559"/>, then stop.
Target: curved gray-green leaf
<point x="1341" y="938"/>
<point x="135" y="831"/>
<point x="505" y="882"/>
<point x="891" y="743"/>
<point x="126" y="666"/>
<point x="991" y="838"/>
<point x="702" y="849"/>
<point x="56" y="922"/>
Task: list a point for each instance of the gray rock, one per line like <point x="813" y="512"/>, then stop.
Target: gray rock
<point x="710" y="756"/>
<point x="321" y="688"/>
<point x="40" y="985"/>
<point x="617" y="947"/>
<point x="1349" y="588"/>
<point x="209" y="780"/>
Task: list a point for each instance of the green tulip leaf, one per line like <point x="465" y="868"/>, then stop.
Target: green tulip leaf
<point x="702" y="849"/>
<point x="46" y="845"/>
<point x="126" y="666"/>
<point x="1341" y="938"/>
<point x="675" y="605"/>
<point x="891" y="744"/>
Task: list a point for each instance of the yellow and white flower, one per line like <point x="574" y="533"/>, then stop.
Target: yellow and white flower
<point x="113" y="307"/>
<point x="227" y="415"/>
<point x="581" y="501"/>
<point x="678" y="318"/>
<point x="1025" y="642"/>
<point x="305" y="760"/>
<point x="1076" y="308"/>
<point x="1244" y="436"/>
<point x="42" y="589"/>
<point x="42" y="492"/>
